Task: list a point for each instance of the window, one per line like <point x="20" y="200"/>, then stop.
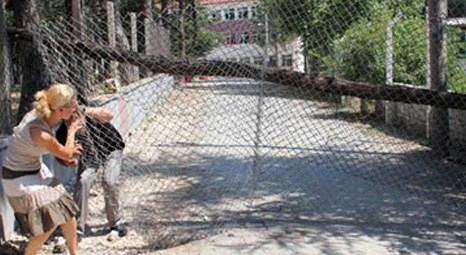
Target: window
<point x="287" y="60"/>
<point x="216" y="15"/>
<point x="230" y="38"/>
<point x="273" y="61"/>
<point x="233" y="38"/>
<point x="243" y="13"/>
<point x="254" y="37"/>
<point x="230" y="14"/>
<point x="258" y="61"/>
<point x="245" y="60"/>
<point x="244" y="38"/>
<point x="253" y="12"/>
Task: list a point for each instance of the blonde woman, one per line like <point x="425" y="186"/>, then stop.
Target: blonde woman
<point x="39" y="201"/>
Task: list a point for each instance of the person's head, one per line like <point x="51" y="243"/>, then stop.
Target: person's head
<point x="59" y="98"/>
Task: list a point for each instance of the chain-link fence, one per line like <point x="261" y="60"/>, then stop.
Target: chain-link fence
<point x="324" y="126"/>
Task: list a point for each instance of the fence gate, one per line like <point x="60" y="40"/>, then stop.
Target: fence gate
<point x="293" y="127"/>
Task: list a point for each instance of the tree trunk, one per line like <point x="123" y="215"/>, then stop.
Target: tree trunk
<point x="77" y="72"/>
<point x="182" y="27"/>
<point x="164" y="10"/>
<point x="122" y="42"/>
<point x="194" y="30"/>
<point x="5" y="78"/>
<point x="35" y="71"/>
<point x="147" y="36"/>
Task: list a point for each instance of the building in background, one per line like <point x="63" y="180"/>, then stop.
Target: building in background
<point x="244" y="32"/>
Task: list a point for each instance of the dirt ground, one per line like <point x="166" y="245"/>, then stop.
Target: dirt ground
<point x="193" y="183"/>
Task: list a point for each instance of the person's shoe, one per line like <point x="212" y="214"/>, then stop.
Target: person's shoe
<point x="80" y="234"/>
<point x="121" y="229"/>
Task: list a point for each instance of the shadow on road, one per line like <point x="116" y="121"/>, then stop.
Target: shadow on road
<point x="316" y="195"/>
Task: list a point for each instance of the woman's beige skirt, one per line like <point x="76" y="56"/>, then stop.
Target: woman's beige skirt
<point x="39" y="201"/>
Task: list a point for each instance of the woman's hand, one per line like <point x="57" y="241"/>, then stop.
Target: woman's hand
<point x="68" y="163"/>
<point x="46" y="140"/>
<point x="77" y="149"/>
<point x="74" y="123"/>
<point x="101" y="114"/>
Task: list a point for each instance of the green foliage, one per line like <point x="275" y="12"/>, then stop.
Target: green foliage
<point x="362" y="50"/>
<point x="360" y="54"/>
<point x="318" y="22"/>
<point x="456" y="48"/>
<point x="410" y="51"/>
<point x="198" y="39"/>
<point x="51" y="10"/>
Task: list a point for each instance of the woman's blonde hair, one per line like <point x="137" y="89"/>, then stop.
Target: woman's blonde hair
<point x="56" y="96"/>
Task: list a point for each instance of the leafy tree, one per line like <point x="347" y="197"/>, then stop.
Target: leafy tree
<point x="318" y="22"/>
<point x="456" y="73"/>
<point x="198" y="40"/>
<point x="360" y="53"/>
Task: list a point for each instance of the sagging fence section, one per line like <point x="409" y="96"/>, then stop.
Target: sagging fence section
<point x="370" y="93"/>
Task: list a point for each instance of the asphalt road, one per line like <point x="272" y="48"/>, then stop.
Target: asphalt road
<point x="217" y="170"/>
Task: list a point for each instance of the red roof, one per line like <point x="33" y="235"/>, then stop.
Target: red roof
<point x="215" y="2"/>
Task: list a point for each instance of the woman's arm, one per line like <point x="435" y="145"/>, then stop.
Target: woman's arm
<point x="47" y="141"/>
<point x="101" y="114"/>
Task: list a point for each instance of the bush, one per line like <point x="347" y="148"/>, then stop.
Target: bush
<point x="360" y="54"/>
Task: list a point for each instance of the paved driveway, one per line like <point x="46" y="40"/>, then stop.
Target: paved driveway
<point x="215" y="170"/>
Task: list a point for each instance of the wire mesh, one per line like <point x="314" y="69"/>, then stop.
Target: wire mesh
<point x="231" y="131"/>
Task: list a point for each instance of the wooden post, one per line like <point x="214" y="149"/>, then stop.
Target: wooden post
<point x="77" y="14"/>
<point x="77" y="72"/>
<point x="391" y="108"/>
<point x="182" y="28"/>
<point x="437" y="117"/>
<point x="111" y="32"/>
<point x="148" y="23"/>
<point x="134" y="40"/>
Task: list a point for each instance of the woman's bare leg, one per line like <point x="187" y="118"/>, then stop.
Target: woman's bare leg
<point x="35" y="242"/>
<point x="69" y="232"/>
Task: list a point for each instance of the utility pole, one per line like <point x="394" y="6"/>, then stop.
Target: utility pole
<point x="437" y="117"/>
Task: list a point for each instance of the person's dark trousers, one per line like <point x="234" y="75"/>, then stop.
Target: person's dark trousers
<point x="86" y="176"/>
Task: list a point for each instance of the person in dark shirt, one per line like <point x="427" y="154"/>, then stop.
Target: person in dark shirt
<point x="102" y="149"/>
